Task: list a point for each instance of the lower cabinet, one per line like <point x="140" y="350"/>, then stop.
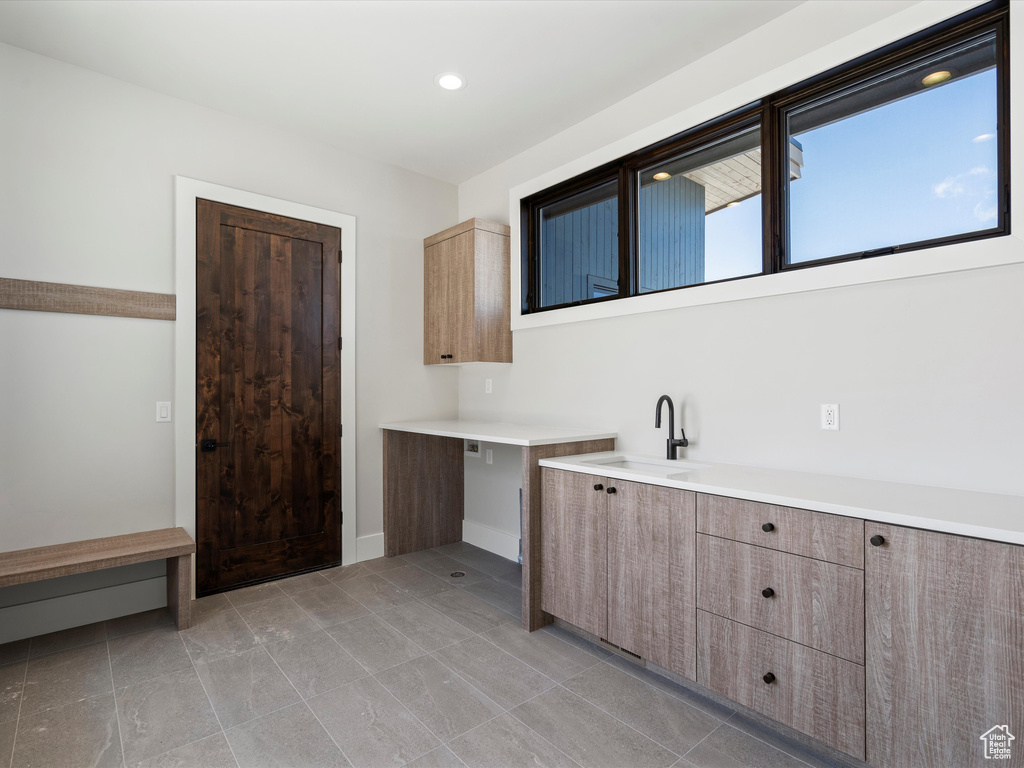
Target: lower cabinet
<point x="945" y="648"/>
<point x="813" y="692"/>
<point x="617" y="560"/>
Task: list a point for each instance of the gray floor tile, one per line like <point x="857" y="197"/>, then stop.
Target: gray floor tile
<point x="204" y="606"/>
<point x="419" y="557"/>
<point x="375" y="644"/>
<point x="82" y="733"/>
<point x="64" y="677"/>
<point x="500" y="676"/>
<point x="576" y="641"/>
<point x="254" y="594"/>
<point x="587" y="735"/>
<point x="7" y="740"/>
<point x="375" y="592"/>
<point x="495" y="566"/>
<point x="442" y="701"/>
<point x="423" y="625"/>
<point x="67" y="638"/>
<point x="246" y="686"/>
<point x="670" y="687"/>
<point x="12" y="683"/>
<point x="278" y="618"/>
<point x="218" y="634"/>
<point x="371" y="726"/>
<point x="501" y="595"/>
<point x="301" y="583"/>
<point x="506" y="741"/>
<point x="289" y="737"/>
<point x="780" y="742"/>
<point x="143" y="656"/>
<point x="315" y="663"/>
<point x="163" y="714"/>
<point x="381" y="564"/>
<point x="211" y="752"/>
<point x="414" y="581"/>
<point x="329" y="605"/>
<point x="14" y="651"/>
<point x="728" y="747"/>
<point x="346" y="572"/>
<point x="471" y="612"/>
<point x="672" y="723"/>
<point x="454" y="548"/>
<point x="542" y="651"/>
<point x="444" y="567"/>
<point x="158" y="618"/>
<point x="442" y="757"/>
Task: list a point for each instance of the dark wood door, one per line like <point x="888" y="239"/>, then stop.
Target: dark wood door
<point x="268" y="392"/>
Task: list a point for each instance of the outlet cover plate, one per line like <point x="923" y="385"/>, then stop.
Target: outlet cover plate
<point x="830" y="416"/>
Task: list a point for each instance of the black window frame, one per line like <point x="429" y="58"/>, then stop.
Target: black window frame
<point x="769" y="114"/>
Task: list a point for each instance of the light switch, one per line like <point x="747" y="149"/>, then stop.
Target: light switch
<point x="163" y="412"/>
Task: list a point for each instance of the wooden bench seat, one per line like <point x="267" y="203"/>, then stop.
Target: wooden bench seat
<point x="172" y="544"/>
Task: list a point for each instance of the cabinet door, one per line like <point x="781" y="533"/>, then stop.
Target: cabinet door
<point x="461" y="298"/>
<point x="436" y="300"/>
<point x="945" y="647"/>
<point x="651" y="573"/>
<point x="574" y="538"/>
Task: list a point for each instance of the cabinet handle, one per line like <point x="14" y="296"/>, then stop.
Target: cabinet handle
<point x="611" y="490"/>
<point x="769" y="678"/>
<point x="767" y="592"/>
<point x="767" y="527"/>
<point x="598" y="487"/>
<point x="877" y="541"/>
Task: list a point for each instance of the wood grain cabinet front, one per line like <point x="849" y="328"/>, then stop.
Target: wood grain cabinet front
<point x="818" y="604"/>
<point x="945" y="649"/>
<point x="466" y="309"/>
<point x="813" y="692"/>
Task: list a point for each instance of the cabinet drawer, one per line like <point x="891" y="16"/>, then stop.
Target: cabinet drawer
<point x="812" y="602"/>
<point x="833" y="538"/>
<point x="813" y="692"/>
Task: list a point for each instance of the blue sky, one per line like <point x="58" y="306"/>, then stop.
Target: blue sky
<point x="915" y="169"/>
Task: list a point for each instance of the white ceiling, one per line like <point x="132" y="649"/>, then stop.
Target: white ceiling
<point x="360" y="75"/>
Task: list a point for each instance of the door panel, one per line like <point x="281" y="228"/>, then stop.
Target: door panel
<point x="268" y="392"/>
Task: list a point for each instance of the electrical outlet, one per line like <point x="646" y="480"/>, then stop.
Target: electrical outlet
<point x="488" y="386"/>
<point x="830" y="416"/>
<point x="490" y="456"/>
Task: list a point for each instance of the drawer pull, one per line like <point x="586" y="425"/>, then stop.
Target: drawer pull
<point x="769" y="678"/>
<point x="767" y="592"/>
<point x="610" y="490"/>
<point x="768" y="527"/>
<point x="877" y="541"/>
<point x="598" y="487"/>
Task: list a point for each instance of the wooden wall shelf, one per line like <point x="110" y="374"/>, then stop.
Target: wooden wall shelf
<point x="85" y="300"/>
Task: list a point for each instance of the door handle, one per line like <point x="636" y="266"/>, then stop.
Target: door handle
<point x="208" y="445"/>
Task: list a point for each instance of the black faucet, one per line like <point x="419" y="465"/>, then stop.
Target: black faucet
<point x="671" y="444"/>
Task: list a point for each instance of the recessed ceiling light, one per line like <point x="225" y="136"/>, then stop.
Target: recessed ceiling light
<point x="733" y="204"/>
<point x="450" y="81"/>
<point x="662" y="176"/>
<point x="983" y="137"/>
<point x="936" y="77"/>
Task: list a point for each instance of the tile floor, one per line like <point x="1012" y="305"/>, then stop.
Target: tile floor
<point x="386" y="663"/>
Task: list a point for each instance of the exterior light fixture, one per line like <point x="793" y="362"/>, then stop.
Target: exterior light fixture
<point x="936" y="77"/>
<point x="450" y="81"/>
<point x="662" y="176"/>
<point x="733" y="204"/>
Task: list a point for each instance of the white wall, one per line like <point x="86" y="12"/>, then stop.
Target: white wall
<point x="928" y="371"/>
<point x="86" y="197"/>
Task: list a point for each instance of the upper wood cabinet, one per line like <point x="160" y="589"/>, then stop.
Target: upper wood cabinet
<point x="945" y="647"/>
<point x="466" y="309"/>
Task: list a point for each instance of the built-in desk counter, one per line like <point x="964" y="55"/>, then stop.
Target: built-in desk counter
<point x="424" y="493"/>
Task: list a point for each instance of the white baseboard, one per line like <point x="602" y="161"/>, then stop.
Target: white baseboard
<point x="491" y="539"/>
<point x="56" y="613"/>
<point x="369" y="547"/>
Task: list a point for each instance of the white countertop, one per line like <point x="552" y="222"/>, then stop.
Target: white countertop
<point x="966" y="513"/>
<point x="496" y="432"/>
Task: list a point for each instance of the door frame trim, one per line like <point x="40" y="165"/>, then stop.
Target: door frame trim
<point x="186" y="191"/>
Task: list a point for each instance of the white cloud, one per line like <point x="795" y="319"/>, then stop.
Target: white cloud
<point x="975" y="185"/>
